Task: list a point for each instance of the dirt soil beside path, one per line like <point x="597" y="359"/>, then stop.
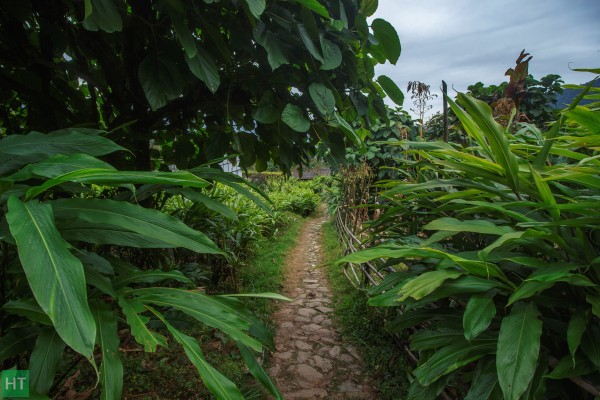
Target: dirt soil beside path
<point x="311" y="361"/>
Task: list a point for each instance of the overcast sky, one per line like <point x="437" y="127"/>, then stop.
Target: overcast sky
<point x="467" y="41"/>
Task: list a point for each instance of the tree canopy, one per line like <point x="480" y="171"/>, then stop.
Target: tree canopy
<point x="185" y="82"/>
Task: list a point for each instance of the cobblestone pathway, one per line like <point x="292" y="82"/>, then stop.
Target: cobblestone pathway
<point x="311" y="361"/>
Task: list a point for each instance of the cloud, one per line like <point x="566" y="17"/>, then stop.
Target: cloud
<point x="464" y="41"/>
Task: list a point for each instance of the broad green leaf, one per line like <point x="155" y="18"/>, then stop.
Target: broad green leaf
<point x="404" y="188"/>
<point x="102" y="15"/>
<point x="82" y="231"/>
<point x="585" y="117"/>
<point x="501" y="241"/>
<point x="550" y="135"/>
<point x="133" y="309"/>
<point x="332" y="55"/>
<point x="272" y="44"/>
<point x="293" y="117"/>
<point x="59" y="165"/>
<point x="257" y="7"/>
<point x="476" y="226"/>
<point x="235" y="182"/>
<point x="518" y="349"/>
<point x="308" y="42"/>
<point x="204" y="68"/>
<point x="577" y="326"/>
<point x="323" y="98"/>
<point x="537" y="386"/>
<point x="494" y="133"/>
<point x="315" y="6"/>
<point x="45" y="360"/>
<point x="368" y="7"/>
<point x="527" y="289"/>
<point x="587" y="179"/>
<point x="272" y="296"/>
<point x="476" y="267"/>
<point x="111" y="369"/>
<point x="103" y="214"/>
<point x="204" y="309"/>
<point x="388" y="38"/>
<point x="416" y="391"/>
<point x="426" y="283"/>
<point x="470" y="126"/>
<point x="216" y="382"/>
<point x="418" y="145"/>
<point x="29" y="309"/>
<point x="99" y="281"/>
<point x="258" y="372"/>
<point x="545" y="194"/>
<point x="55" y="276"/>
<point x="391" y="89"/>
<point x="160" y="79"/>
<point x="552" y="273"/>
<point x="16" y="341"/>
<point x="266" y="113"/>
<point x="450" y="358"/>
<point x="209" y="202"/>
<point x="95" y="262"/>
<point x="569" y="368"/>
<point x="111" y="177"/>
<point x="427" y="339"/>
<point x="479" y="313"/>
<point x="485" y="380"/>
<point x="150" y="276"/>
<point x="347" y="129"/>
<point x="183" y="33"/>
<point x="65" y="142"/>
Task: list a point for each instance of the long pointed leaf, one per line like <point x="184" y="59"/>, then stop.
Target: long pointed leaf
<point x="518" y="349"/>
<point x="103" y="214"/>
<point x="111" y="369"/>
<point x="204" y="309"/>
<point x="494" y="133"/>
<point x="216" y="382"/>
<point x="45" y="359"/>
<point x="100" y="176"/>
<point x="55" y="276"/>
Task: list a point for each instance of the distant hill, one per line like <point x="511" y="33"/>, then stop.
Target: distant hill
<point x="569" y="95"/>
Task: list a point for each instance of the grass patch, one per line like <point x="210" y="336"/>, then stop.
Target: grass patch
<point x="364" y="325"/>
<point x="264" y="270"/>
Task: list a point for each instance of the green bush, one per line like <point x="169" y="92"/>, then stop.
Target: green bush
<point x="502" y="246"/>
<point x="292" y="195"/>
<point x="235" y="225"/>
<point x="67" y="286"/>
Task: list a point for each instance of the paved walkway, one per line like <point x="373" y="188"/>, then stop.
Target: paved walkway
<point x="311" y="361"/>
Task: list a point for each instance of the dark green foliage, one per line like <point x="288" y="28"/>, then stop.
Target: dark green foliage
<point x="195" y="80"/>
<point x="381" y="150"/>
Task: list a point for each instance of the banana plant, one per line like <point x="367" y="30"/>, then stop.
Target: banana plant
<point x="502" y="277"/>
<point x="63" y="290"/>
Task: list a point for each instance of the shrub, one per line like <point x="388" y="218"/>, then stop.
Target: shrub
<point x="292" y="195"/>
<point x="63" y="287"/>
<point x="502" y="243"/>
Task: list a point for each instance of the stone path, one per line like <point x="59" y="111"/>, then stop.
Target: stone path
<point x="311" y="361"/>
